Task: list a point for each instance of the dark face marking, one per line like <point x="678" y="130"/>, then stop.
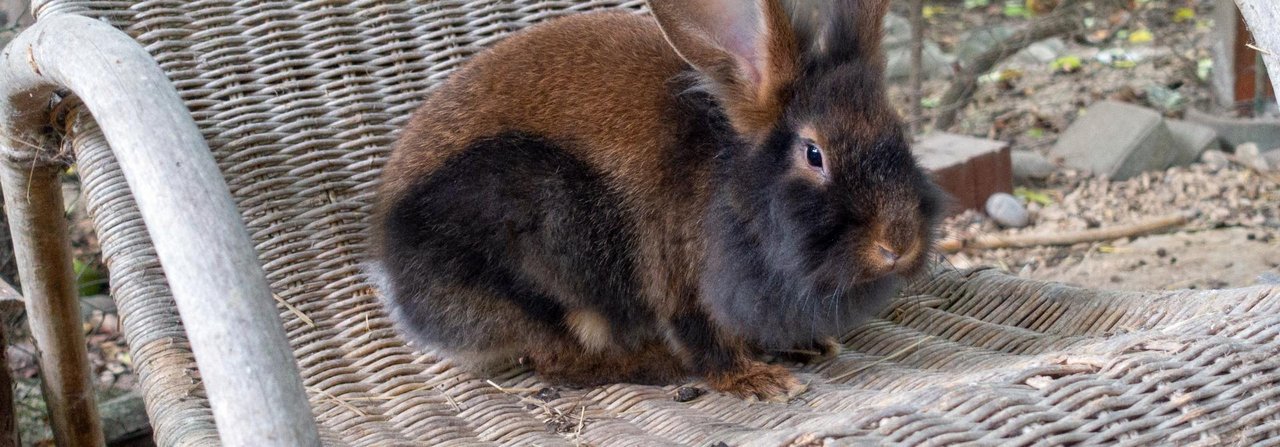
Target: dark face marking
<point x="796" y="256"/>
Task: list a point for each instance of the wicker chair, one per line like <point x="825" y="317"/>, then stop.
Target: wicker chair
<point x="229" y="149"/>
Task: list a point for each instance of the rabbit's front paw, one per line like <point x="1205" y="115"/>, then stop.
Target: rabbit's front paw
<point x="758" y="380"/>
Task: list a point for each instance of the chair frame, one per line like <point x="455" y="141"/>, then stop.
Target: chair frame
<point x="247" y="368"/>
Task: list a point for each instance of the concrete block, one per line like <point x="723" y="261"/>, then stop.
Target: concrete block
<point x="969" y="169"/>
<point x="1192" y="140"/>
<point x="1118" y="140"/>
<point x="1265" y="132"/>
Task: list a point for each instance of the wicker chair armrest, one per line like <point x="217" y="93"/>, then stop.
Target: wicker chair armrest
<point x="245" y="361"/>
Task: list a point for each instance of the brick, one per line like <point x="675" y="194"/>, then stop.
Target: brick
<point x="969" y="169"/>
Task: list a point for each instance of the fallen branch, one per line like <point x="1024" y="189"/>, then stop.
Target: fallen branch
<point x="992" y="242"/>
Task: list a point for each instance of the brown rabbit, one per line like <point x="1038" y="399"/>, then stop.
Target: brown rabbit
<point x="618" y="198"/>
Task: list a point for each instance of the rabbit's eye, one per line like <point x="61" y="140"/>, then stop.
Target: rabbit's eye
<point x="814" y="154"/>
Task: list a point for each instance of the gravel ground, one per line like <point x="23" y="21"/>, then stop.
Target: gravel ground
<point x="1234" y="238"/>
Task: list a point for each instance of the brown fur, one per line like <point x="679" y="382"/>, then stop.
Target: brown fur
<point x="565" y="361"/>
<point x="605" y="107"/>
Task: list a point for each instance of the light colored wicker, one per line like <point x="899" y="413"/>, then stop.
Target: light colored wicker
<point x="300" y="102"/>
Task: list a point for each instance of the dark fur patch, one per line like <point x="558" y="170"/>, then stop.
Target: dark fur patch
<point x="784" y="264"/>
<point x="519" y="219"/>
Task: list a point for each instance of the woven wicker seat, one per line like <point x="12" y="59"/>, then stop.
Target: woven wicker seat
<point x="300" y="102"/>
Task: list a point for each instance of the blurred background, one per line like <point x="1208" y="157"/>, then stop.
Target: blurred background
<point x="1119" y="144"/>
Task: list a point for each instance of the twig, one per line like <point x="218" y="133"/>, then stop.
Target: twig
<point x="340" y="402"/>
<point x="456" y="408"/>
<point x="1264" y="51"/>
<point x="296" y="312"/>
<point x="582" y="415"/>
<point x="513" y="391"/>
<point x="992" y="242"/>
<point x="891" y="357"/>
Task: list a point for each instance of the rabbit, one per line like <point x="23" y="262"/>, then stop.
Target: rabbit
<point x="613" y="197"/>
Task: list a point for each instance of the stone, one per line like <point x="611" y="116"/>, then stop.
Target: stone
<point x="1042" y="53"/>
<point x="1118" y="140"/>
<point x="935" y="64"/>
<point x="1265" y="132"/>
<point x="1007" y="211"/>
<point x="979" y="41"/>
<point x="688" y="393"/>
<point x="1192" y="140"/>
<point x="969" y="169"/>
<point x="897" y="30"/>
<point x="1164" y="98"/>
<point x="1249" y="155"/>
<point x="1216" y="160"/>
<point x="1028" y="165"/>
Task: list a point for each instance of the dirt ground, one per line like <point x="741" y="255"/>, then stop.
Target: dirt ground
<point x="1234" y="240"/>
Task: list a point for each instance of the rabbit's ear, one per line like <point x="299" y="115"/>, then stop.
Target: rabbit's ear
<point x="853" y="32"/>
<point x="810" y="19"/>
<point x="746" y="48"/>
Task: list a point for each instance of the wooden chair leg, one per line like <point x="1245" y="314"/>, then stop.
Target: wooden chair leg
<point x="8" y="415"/>
<point x="33" y="201"/>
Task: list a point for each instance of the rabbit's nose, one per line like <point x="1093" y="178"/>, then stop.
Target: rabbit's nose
<point x="889" y="256"/>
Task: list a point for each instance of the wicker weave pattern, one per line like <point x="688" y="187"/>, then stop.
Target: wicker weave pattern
<point x="301" y="100"/>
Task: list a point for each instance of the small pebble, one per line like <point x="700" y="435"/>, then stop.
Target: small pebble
<point x="1007" y="211"/>
<point x="1249" y="155"/>
<point x="1215" y="160"/>
<point x="1028" y="165"/>
<point x="688" y="393"/>
<point x="1160" y="252"/>
<point x="547" y="394"/>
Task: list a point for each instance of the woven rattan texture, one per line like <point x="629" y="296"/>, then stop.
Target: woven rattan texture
<point x="301" y="101"/>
